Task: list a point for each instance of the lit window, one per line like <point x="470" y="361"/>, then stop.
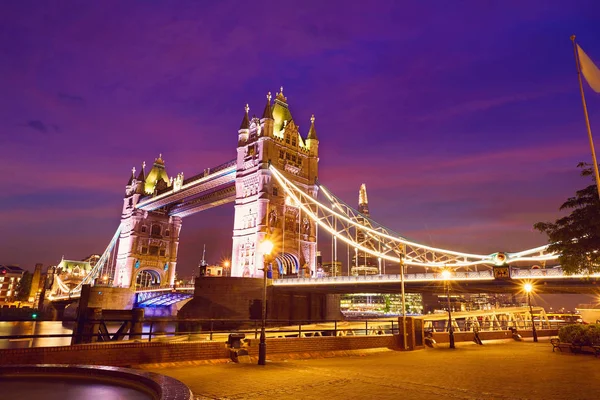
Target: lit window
<point x="293" y="142"/>
<point x="287" y="139"/>
<point x="281" y="154"/>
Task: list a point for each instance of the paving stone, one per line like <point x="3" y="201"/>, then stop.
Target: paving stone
<point x="499" y="371"/>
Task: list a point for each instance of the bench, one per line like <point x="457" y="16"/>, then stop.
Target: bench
<point x="555" y="344"/>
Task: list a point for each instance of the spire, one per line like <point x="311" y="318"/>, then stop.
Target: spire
<point x="142" y="176"/>
<point x="246" y="121"/>
<point x="362" y="195"/>
<point x="280" y="96"/>
<point x="363" y="203"/>
<point x="268" y="113"/>
<point x="132" y="177"/>
<point x="312" y="133"/>
<point x="281" y="112"/>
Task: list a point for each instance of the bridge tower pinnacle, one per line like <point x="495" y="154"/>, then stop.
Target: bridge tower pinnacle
<point x="149" y="240"/>
<point x="261" y="209"/>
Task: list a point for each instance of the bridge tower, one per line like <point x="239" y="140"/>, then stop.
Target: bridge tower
<point x="149" y="240"/>
<point x="261" y="208"/>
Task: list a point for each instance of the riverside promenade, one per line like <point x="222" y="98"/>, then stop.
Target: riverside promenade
<point x="496" y="370"/>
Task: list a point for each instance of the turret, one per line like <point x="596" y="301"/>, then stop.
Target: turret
<point x="281" y="113"/>
<point x="141" y="180"/>
<point x="267" y="117"/>
<point x="244" y="130"/>
<point x="311" y="139"/>
<point x="157" y="177"/>
<point x="131" y="179"/>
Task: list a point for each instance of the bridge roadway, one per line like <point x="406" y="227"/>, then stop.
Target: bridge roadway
<point x="550" y="281"/>
<point x="214" y="187"/>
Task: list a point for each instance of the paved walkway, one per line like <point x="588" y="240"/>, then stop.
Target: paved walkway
<point x="498" y="370"/>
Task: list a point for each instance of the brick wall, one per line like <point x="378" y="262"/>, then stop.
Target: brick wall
<point x="119" y="355"/>
<point x="126" y="354"/>
<point x="323" y="344"/>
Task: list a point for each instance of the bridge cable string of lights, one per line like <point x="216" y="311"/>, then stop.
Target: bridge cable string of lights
<point x="353" y="214"/>
<point x="94" y="272"/>
<point x="411" y="248"/>
<point x="419" y="255"/>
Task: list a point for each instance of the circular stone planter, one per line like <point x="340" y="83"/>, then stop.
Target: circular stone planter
<point x="70" y="382"/>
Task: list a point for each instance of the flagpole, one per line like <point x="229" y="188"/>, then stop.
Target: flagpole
<point x="585" y="112"/>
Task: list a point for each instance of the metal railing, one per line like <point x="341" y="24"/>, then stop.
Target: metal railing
<point x="174" y="329"/>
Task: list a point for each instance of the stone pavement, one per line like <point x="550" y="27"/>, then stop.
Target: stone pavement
<point x="496" y="370"/>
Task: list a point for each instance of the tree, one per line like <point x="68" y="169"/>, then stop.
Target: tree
<point x="24" y="287"/>
<point x="576" y="237"/>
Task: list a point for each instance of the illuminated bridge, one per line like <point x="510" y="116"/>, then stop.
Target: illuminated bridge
<point x="274" y="184"/>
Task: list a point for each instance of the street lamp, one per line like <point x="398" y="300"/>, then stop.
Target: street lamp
<point x="446" y="276"/>
<point x="226" y="264"/>
<point x="528" y="289"/>
<point x="265" y="247"/>
<point x="404" y="338"/>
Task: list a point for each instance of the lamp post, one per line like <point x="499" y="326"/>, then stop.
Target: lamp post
<point x="446" y="276"/>
<point x="226" y="264"/>
<point x="404" y="338"/>
<point x="266" y="247"/>
<point x="528" y="289"/>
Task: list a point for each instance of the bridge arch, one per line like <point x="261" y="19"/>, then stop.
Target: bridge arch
<point x="147" y="278"/>
<point x="287" y="264"/>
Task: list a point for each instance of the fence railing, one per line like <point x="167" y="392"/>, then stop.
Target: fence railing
<point x="173" y="329"/>
<point x="151" y="329"/>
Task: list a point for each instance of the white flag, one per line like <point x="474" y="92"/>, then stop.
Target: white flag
<point x="589" y="70"/>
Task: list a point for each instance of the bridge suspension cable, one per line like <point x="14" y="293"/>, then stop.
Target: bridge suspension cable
<point x="94" y="272"/>
<point x="344" y="223"/>
<point x="104" y="258"/>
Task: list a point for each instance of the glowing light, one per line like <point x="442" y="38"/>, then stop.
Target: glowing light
<point x="291" y="189"/>
<point x="409" y="261"/>
<point x="285" y="183"/>
<point x="528" y="287"/>
<point x="266" y="246"/>
<point x="446" y="274"/>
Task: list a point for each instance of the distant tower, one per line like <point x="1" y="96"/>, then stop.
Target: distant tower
<point x="363" y="263"/>
<point x="149" y="240"/>
<point x="261" y="208"/>
<point x="34" y="290"/>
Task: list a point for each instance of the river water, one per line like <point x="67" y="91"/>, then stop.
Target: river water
<point x="54" y="328"/>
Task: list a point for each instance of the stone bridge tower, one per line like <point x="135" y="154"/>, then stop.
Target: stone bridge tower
<point x="149" y="240"/>
<point x="261" y="207"/>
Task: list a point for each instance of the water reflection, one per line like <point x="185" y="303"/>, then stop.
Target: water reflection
<point x="159" y="329"/>
<point x="68" y="389"/>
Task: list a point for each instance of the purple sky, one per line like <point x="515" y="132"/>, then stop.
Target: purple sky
<point x="463" y="120"/>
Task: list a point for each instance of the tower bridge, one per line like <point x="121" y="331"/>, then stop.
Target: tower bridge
<point x="273" y="183"/>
